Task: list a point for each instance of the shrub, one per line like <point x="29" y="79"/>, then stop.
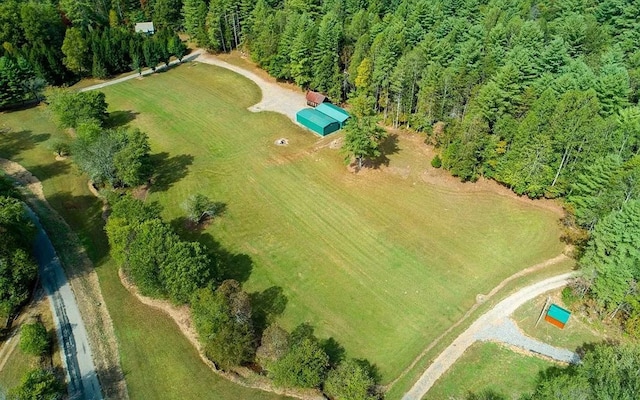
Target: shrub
<point x="38" y="384"/>
<point x="61" y="148"/>
<point x="199" y="207"/>
<point x="305" y="365"/>
<point x="569" y="296"/>
<point x="436" y="162"/>
<point x="350" y="380"/>
<point x="34" y="339"/>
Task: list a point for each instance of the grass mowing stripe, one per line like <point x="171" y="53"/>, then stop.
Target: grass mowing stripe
<point x="380" y="262"/>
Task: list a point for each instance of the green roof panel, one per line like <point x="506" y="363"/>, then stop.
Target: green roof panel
<point x="334" y="112"/>
<point x="318" y="122"/>
<point x="558" y="313"/>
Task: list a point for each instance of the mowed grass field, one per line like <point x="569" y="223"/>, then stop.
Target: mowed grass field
<point x="158" y="361"/>
<point x="381" y="261"/>
<point x="489" y="368"/>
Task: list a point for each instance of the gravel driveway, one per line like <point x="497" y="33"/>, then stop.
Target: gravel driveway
<point x="506" y="331"/>
<point x="274" y="97"/>
<point x="483" y="328"/>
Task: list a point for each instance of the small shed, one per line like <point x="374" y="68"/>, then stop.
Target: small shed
<point x="557" y="316"/>
<point x="145" y="27"/>
<point x="315" y="98"/>
<point x="318" y="122"/>
<point x="335" y="112"/>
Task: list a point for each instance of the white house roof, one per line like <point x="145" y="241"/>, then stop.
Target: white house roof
<point x="144" y="27"/>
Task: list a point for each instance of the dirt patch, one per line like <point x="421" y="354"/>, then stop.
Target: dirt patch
<point x="20" y="174"/>
<point x="281" y="142"/>
<point x="141" y="192"/>
<point x="181" y="315"/>
<point x="85" y="285"/>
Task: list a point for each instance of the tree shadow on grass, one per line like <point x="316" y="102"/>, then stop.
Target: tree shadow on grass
<point x="48" y="171"/>
<point x="84" y="215"/>
<point x="267" y="306"/>
<point x="169" y="170"/>
<point x="334" y="350"/>
<point x="388" y="146"/>
<point x="14" y="143"/>
<point x="227" y="265"/>
<point x="120" y="118"/>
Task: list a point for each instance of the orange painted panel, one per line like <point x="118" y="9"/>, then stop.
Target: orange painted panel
<point x="554" y="321"/>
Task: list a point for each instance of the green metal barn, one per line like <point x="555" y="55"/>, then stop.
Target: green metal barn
<point x="334" y="112"/>
<point x="318" y="122"/>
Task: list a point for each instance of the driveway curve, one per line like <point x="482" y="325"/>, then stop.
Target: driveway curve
<point x="82" y="378"/>
<point x="478" y="330"/>
<point x="274" y="97"/>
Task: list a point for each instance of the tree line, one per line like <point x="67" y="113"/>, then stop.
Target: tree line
<point x="51" y="42"/>
<point x="18" y="275"/>
<point x="18" y="270"/>
<point x="233" y="330"/>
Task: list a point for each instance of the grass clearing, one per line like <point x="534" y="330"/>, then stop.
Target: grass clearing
<point x="576" y="332"/>
<point x="17" y="362"/>
<point x="412" y="375"/>
<point x="159" y="363"/>
<point x="382" y="274"/>
<point x="489" y="367"/>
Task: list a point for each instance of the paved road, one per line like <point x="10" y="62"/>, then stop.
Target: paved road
<point x="82" y="379"/>
<point x="490" y="319"/>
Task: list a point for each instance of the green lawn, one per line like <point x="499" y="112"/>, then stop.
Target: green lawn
<point x="380" y="262"/>
<point x="159" y="363"/>
<point x="492" y="368"/>
<point x="576" y="332"/>
<point x="16" y="367"/>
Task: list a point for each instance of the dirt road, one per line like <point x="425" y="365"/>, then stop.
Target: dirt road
<point x="491" y="318"/>
<point x="81" y="373"/>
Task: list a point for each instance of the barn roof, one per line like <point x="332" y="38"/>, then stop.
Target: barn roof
<point x="333" y="111"/>
<point x="144" y="27"/>
<point x="316" y="97"/>
<point x="316" y="117"/>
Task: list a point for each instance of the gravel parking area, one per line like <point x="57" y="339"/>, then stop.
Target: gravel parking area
<point x="506" y="331"/>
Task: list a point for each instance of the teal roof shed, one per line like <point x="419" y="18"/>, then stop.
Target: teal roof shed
<point x="557" y="316"/>
<point x="559" y="313"/>
<point x="318" y="122"/>
<point x="335" y="112"/>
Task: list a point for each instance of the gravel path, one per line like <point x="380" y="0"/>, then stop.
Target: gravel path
<point x="146" y="72"/>
<point x="82" y="378"/>
<point x="274" y="97"/>
<point x="506" y="331"/>
<point x="491" y="318"/>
